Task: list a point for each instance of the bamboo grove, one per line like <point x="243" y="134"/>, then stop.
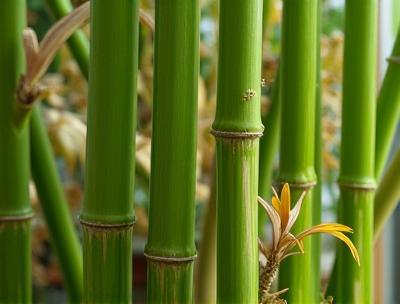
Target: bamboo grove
<point x="236" y="260"/>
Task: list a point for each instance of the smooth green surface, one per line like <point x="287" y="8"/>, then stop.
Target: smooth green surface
<point x="55" y="208"/>
<point x="173" y="158"/>
<point x="170" y="283"/>
<point x="298" y="94"/>
<point x="111" y="112"/>
<point x="15" y="262"/>
<point x="239" y="61"/>
<point x="269" y="145"/>
<point x="387" y="195"/>
<point x="387" y="111"/>
<point x="107" y="251"/>
<point x="15" y="252"/>
<point x="354" y="284"/>
<point x="298" y="78"/>
<point x="78" y="42"/>
<point x="237" y="248"/>
<point x="107" y="256"/>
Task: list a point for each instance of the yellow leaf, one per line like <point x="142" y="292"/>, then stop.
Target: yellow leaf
<point x="285" y="205"/>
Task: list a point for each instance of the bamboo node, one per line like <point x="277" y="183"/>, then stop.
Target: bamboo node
<point x="170" y="260"/>
<point x="106" y="225"/>
<point x="16" y="218"/>
<point x="235" y="135"/>
<point x="297" y="185"/>
<point x="357" y="186"/>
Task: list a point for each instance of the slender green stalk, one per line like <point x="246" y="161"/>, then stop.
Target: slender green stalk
<point x="298" y="92"/>
<point x="206" y="292"/>
<point x="55" y="208"/>
<point x="317" y="191"/>
<point x="269" y="145"/>
<point x="107" y="214"/>
<point x="355" y="284"/>
<point x="15" y="208"/>
<point x="237" y="128"/>
<point x="78" y="42"/>
<point x="388" y="110"/>
<point x="171" y="248"/>
<point x="387" y="195"/>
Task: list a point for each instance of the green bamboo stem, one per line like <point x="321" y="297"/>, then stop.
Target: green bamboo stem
<point x="206" y="292"/>
<point x="15" y="208"/>
<point x="387" y="195"/>
<point x="269" y="145"/>
<point x="171" y="248"/>
<point x="237" y="128"/>
<point x="55" y="208"/>
<point x="388" y="110"/>
<point x="317" y="191"/>
<point x="298" y="92"/>
<point x="78" y="42"/>
<point x="357" y="174"/>
<point x="107" y="216"/>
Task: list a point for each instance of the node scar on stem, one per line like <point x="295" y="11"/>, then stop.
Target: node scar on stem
<point x="249" y="94"/>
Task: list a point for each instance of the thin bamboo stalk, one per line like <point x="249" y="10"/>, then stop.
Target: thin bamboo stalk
<point x="206" y="292"/>
<point x="237" y="128"/>
<point x="15" y="208"/>
<point x="269" y="145"/>
<point x="317" y="191"/>
<point x="388" y="110"/>
<point x="171" y="248"/>
<point x="298" y="92"/>
<point x="107" y="215"/>
<point x="387" y="195"/>
<point x="78" y="42"/>
<point x="55" y="208"/>
<point x="357" y="174"/>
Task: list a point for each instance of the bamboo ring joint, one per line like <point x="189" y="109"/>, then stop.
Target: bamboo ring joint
<point x="170" y="260"/>
<point x="298" y="185"/>
<point x="358" y="186"/>
<point x="235" y="135"/>
<point x="106" y="225"/>
<point x="16" y="218"/>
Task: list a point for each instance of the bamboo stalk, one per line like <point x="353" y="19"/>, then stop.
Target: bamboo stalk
<point x="387" y="195"/>
<point x="357" y="151"/>
<point x="78" y="42"/>
<point x="388" y="110"/>
<point x="206" y="292"/>
<point x="298" y="92"/>
<point x="237" y="128"/>
<point x="55" y="209"/>
<point x="107" y="215"/>
<point x="171" y="249"/>
<point x="317" y="191"/>
<point x="15" y="208"/>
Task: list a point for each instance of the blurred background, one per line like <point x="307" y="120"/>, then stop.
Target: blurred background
<point x="65" y="109"/>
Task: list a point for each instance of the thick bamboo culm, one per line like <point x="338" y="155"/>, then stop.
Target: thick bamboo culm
<point x="107" y="216"/>
<point x="237" y="128"/>
<point x="298" y="92"/>
<point x="357" y="175"/>
<point x="171" y="250"/>
<point x="15" y="208"/>
<point x="55" y="208"/>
